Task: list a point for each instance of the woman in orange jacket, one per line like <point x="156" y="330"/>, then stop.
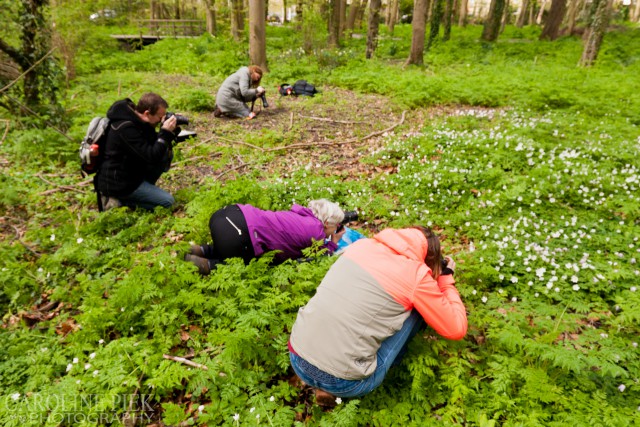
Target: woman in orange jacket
<point x="370" y="303"/>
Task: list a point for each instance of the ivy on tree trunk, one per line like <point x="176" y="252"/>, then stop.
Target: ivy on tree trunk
<point x="598" y="22"/>
<point x="494" y="21"/>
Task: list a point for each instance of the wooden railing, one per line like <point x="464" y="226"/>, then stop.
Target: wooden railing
<point x="172" y="27"/>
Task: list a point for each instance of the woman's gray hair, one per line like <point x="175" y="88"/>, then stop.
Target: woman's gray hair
<point x="326" y="211"/>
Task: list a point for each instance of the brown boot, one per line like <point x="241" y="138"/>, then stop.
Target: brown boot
<point x="325" y="399"/>
<point x="217" y="112"/>
<point x="201" y="263"/>
<point x="196" y="250"/>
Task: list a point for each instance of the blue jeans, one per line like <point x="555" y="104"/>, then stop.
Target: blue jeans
<point x="390" y="352"/>
<point x="148" y="196"/>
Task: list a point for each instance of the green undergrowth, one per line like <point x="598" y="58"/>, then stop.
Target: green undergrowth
<point x="528" y="169"/>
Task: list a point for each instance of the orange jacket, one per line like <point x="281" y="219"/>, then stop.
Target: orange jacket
<point x="365" y="298"/>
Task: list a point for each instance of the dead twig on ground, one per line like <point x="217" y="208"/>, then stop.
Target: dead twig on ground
<point x="290" y="122"/>
<point x="63" y="187"/>
<point x="185" y="362"/>
<point x="231" y="170"/>
<point x="324" y="119"/>
<point x="238" y="142"/>
<point x="348" y="141"/>
<point x="191" y="159"/>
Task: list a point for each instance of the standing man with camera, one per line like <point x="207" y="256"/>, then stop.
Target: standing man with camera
<point x="237" y="90"/>
<point x="136" y="155"/>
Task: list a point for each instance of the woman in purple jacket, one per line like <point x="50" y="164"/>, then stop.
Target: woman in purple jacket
<point x="244" y="231"/>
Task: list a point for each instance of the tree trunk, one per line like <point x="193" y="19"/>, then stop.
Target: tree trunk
<point x="334" y="23"/>
<point x="448" y="17"/>
<point x="372" y="32"/>
<point x="299" y="6"/>
<point x="541" y="12"/>
<point x="353" y="12"/>
<point x="522" y="16"/>
<point x="598" y="22"/>
<point x="418" y="28"/>
<point x="343" y="18"/>
<point x="393" y="15"/>
<point x="284" y="12"/>
<point x="494" y="21"/>
<point x="436" y="20"/>
<point x="572" y="13"/>
<point x="464" y="6"/>
<point x="506" y="16"/>
<point x="257" y="34"/>
<point x="210" y="11"/>
<point x="551" y="29"/>
<point x="237" y="19"/>
<point x="635" y="15"/>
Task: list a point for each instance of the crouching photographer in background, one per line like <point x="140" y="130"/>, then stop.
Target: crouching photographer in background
<point x="239" y="88"/>
<point x="136" y="155"/>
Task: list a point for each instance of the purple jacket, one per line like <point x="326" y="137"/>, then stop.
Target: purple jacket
<point x="286" y="231"/>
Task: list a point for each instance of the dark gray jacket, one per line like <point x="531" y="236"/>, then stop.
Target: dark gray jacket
<point x="235" y="92"/>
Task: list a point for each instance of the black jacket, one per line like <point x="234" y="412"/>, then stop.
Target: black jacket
<point x="134" y="152"/>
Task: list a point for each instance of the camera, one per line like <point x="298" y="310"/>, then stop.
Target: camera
<point x="180" y="119"/>
<point x="348" y="217"/>
<point x="265" y="104"/>
<point x="443" y="263"/>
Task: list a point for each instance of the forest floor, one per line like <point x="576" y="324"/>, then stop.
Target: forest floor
<point x="331" y="131"/>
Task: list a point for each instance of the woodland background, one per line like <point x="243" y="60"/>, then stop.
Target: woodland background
<point x="512" y="129"/>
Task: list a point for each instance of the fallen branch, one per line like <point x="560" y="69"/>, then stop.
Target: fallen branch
<point x="190" y="159"/>
<point x="61" y="187"/>
<point x="239" y="142"/>
<point x="185" y="362"/>
<point x="348" y="141"/>
<point x="324" y="119"/>
<point x="231" y="170"/>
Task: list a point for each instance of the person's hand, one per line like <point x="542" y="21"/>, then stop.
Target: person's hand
<point x="260" y="90"/>
<point x="451" y="264"/>
<point x="251" y="115"/>
<point x="335" y="237"/>
<point x="169" y="124"/>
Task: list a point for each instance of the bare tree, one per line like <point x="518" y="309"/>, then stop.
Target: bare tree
<point x="598" y="22"/>
<point x="494" y="21"/>
<point x="374" y="22"/>
<point x="418" y="24"/>
<point x="551" y="30"/>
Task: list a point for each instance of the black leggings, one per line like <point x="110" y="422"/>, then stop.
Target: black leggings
<point x="230" y="236"/>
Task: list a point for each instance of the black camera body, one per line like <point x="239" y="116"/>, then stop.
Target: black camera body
<point x="180" y="119"/>
<point x="349" y="216"/>
<point x="265" y="104"/>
